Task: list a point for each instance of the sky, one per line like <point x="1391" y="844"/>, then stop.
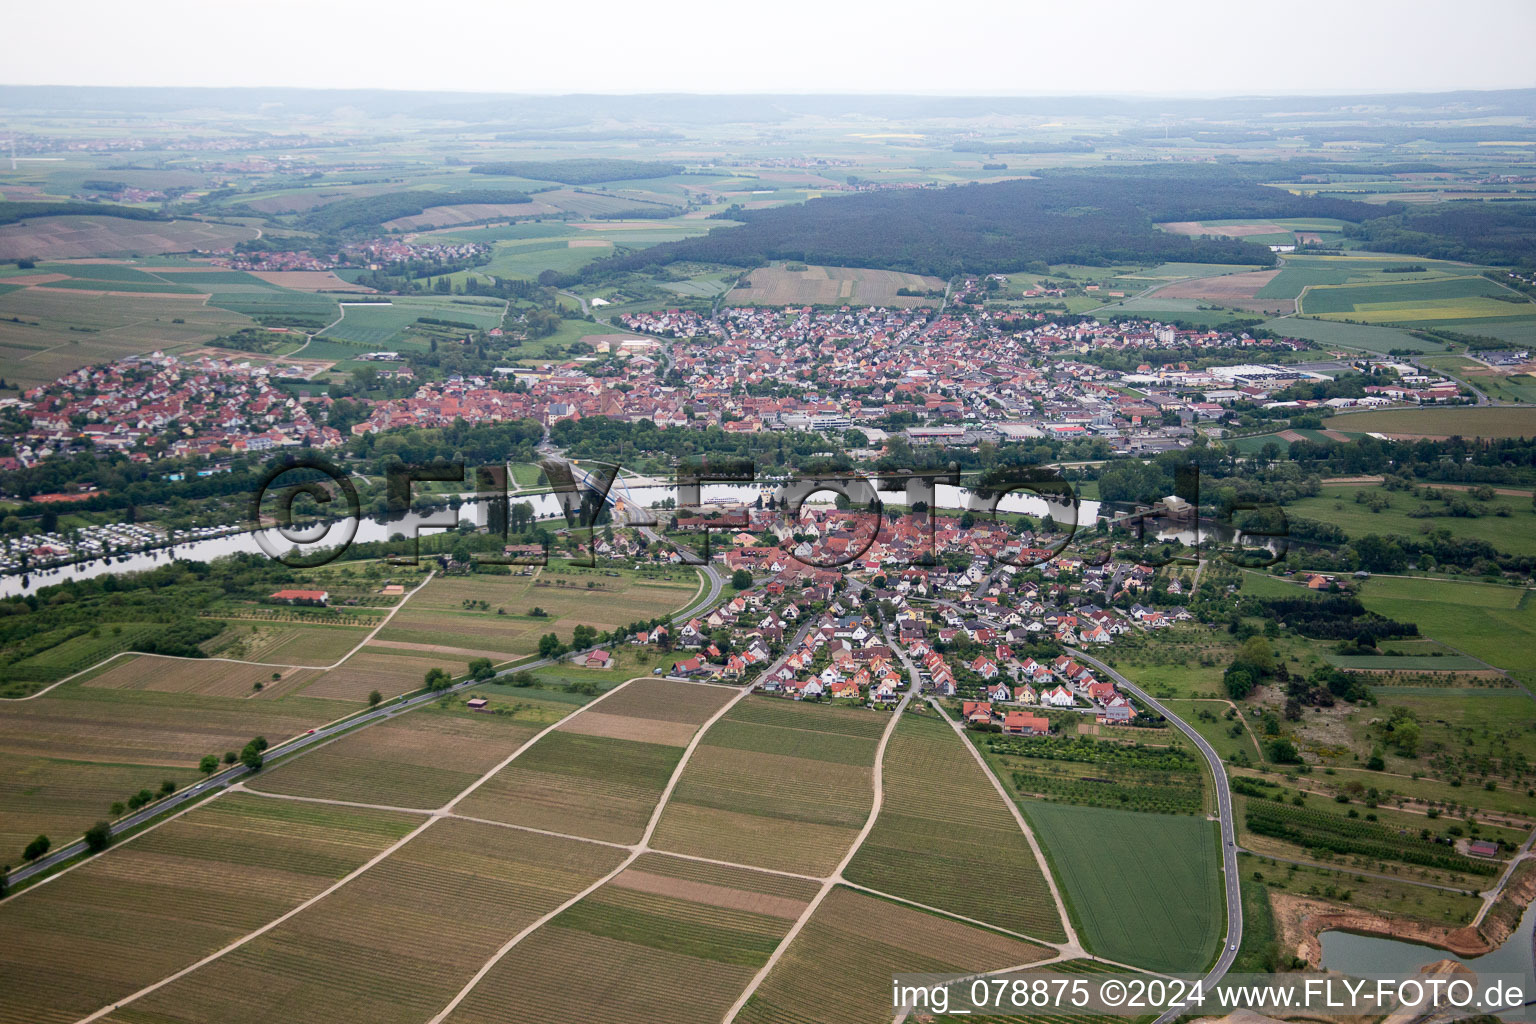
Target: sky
<point x="955" y="47"/>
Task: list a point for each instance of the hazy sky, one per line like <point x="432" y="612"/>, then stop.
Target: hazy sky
<point x="1010" y="47"/>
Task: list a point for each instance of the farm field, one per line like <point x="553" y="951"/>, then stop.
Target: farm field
<point x="584" y="779"/>
<point x="1240" y="291"/>
<point x="212" y="678"/>
<point x="941" y="826"/>
<point x="1353" y="336"/>
<point x="839" y="967"/>
<point x="491" y="615"/>
<point x="1436" y="299"/>
<point x="831" y="286"/>
<point x="77" y="236"/>
<point x="660" y="927"/>
<point x="1467" y="421"/>
<point x="1514" y="533"/>
<point x="61" y="798"/>
<point x="388" y="670"/>
<point x="393" y="325"/>
<point x="170" y="896"/>
<point x="286" y="644"/>
<point x="776" y="784"/>
<point x="466" y="213"/>
<point x="1166" y="911"/>
<point x="46" y="333"/>
<point x="97" y="738"/>
<point x="421" y="759"/>
<point x="442" y="904"/>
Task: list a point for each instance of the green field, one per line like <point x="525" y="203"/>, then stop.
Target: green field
<point x="1434" y="300"/>
<point x="1165" y="910"/>
<point x="1491" y="622"/>
<point x="1514" y="533"/>
<point x="394" y="326"/>
<point x="46" y="333"/>
<point x="941" y="825"/>
<point x="1329" y="333"/>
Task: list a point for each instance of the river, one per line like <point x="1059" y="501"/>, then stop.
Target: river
<point x="545" y="506"/>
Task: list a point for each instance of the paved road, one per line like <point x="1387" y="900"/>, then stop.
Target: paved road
<point x="1224" y="812"/>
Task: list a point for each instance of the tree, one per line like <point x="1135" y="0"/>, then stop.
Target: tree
<point x="741" y="579"/>
<point x="98" y="837"/>
<point x="1405" y="737"/>
<point x="1282" y="751"/>
<point x="209" y="764"/>
<point x="167" y="787"/>
<point x="36" y="848"/>
<point x="482" y="668"/>
<point x="230" y="757"/>
<point x="374" y="698"/>
<point x="550" y="646"/>
<point x="583" y="637"/>
<point x="251" y="757"/>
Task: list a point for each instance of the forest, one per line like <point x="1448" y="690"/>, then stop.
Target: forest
<point x="365" y="215"/>
<point x="1502" y="233"/>
<point x="1096" y="217"/>
<point x="580" y="172"/>
<point x="11" y="213"/>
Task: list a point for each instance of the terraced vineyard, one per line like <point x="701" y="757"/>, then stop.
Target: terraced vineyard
<point x="942" y="827"/>
<point x="396" y="943"/>
<point x="173" y="895"/>
<point x="839" y="967"/>
<point x="776" y="784"/>
<point x="661" y="927"/>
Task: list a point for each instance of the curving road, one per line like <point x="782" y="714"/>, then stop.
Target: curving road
<point x="1224" y="812"/>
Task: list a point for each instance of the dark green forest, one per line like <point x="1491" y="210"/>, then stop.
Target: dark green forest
<point x="580" y="172"/>
<point x="11" y="213"/>
<point x="352" y="216"/>
<point x="1094" y="217"/>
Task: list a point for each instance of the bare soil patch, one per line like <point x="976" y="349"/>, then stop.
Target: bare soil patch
<point x="1236" y="290"/>
<point x="710" y="895"/>
<point x="624" y="727"/>
<point x="308" y="280"/>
